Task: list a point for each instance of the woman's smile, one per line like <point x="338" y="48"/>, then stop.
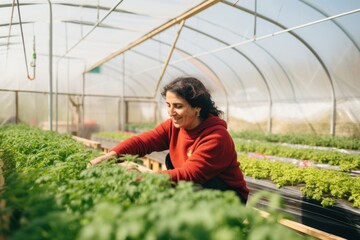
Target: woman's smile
<point x="181" y="112"/>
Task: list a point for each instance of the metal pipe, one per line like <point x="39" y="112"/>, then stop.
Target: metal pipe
<point x="95" y="26"/>
<point x="50" y="67"/>
<point x="199" y="8"/>
<point x="122" y="107"/>
<point x="17" y="107"/>
<point x="169" y="57"/>
<point x="82" y="117"/>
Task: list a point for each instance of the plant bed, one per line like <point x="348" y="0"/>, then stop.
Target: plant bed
<point x="341" y="219"/>
<point x="50" y="193"/>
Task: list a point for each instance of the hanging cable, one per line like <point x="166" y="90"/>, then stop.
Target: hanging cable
<point x="235" y="3"/>
<point x="33" y="61"/>
<point x="255" y="19"/>
<point x="10" y="25"/>
<point x="24" y="49"/>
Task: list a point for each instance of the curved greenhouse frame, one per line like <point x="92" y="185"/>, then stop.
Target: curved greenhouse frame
<point x="275" y="66"/>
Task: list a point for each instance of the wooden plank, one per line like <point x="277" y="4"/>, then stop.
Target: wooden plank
<point x="146" y="162"/>
<point x="155" y="166"/>
<point x="87" y="142"/>
<point x="197" y="9"/>
<point x="304" y="229"/>
<point x="309" y="230"/>
<point x="132" y="165"/>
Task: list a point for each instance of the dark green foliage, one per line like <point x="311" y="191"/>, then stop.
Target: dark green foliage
<point x="50" y="193"/>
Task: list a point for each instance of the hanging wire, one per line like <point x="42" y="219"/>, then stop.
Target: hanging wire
<point x="24" y="49"/>
<point x="235" y="3"/>
<point x="11" y="19"/>
<point x="93" y="28"/>
<point x="98" y="11"/>
<point x="255" y="19"/>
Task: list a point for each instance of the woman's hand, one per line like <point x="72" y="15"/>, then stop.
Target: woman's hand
<point x="102" y="158"/>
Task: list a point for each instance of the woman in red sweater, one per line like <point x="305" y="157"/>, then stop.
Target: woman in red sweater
<point x="200" y="147"/>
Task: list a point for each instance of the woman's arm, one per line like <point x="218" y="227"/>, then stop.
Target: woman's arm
<point x="103" y="158"/>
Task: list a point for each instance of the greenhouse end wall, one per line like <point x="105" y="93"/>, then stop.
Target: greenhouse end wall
<point x="104" y="114"/>
<point x="306" y="117"/>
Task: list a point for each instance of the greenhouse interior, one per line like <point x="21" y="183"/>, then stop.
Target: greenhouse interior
<point x="80" y="77"/>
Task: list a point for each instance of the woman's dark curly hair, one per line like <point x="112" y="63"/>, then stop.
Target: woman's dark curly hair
<point x="195" y="93"/>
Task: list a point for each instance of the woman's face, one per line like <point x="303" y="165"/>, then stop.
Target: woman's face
<point x="181" y="112"/>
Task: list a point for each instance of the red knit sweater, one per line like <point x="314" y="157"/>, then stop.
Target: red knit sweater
<point x="197" y="155"/>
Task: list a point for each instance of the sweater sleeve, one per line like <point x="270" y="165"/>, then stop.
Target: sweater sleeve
<point x="145" y="143"/>
<point x="214" y="154"/>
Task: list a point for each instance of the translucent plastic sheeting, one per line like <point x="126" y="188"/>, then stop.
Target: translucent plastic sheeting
<point x="271" y="65"/>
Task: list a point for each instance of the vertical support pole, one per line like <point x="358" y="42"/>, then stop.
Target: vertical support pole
<point x="157" y="112"/>
<point x="333" y="109"/>
<point x="50" y="68"/>
<point x="16" y="107"/>
<point x="269" y="127"/>
<point x="127" y="114"/>
<point x="82" y="117"/>
<point x="123" y="105"/>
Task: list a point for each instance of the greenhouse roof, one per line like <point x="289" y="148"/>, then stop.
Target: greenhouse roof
<point x="248" y="51"/>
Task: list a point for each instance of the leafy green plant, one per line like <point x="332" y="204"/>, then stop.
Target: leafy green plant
<point x="298" y="138"/>
<point x="343" y="160"/>
<point x="50" y="193"/>
<point x="322" y="185"/>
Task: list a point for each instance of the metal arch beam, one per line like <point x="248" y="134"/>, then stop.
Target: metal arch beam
<point x="201" y="62"/>
<point x="20" y="4"/>
<point x="99" y="8"/>
<point x="155" y="59"/>
<point x="167" y="25"/>
<point x="228" y="66"/>
<point x="270" y="100"/>
<point x="267" y="52"/>
<point x="131" y="75"/>
<point x="183" y="51"/>
<point x="186" y="53"/>
<point x="217" y="80"/>
<point x="116" y="71"/>
<point x="332" y="89"/>
<point x="333" y="21"/>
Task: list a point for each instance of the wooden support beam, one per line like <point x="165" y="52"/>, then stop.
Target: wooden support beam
<point x="147" y="162"/>
<point x="304" y="229"/>
<point x="87" y="142"/>
<point x="156" y="31"/>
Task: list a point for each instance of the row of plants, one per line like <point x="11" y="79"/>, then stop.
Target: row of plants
<point x="322" y="185"/>
<point x="139" y="127"/>
<point x="352" y="143"/>
<point x="339" y="142"/>
<point x="345" y="161"/>
<point x="120" y="135"/>
<point x="51" y="193"/>
<point x="326" y="186"/>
